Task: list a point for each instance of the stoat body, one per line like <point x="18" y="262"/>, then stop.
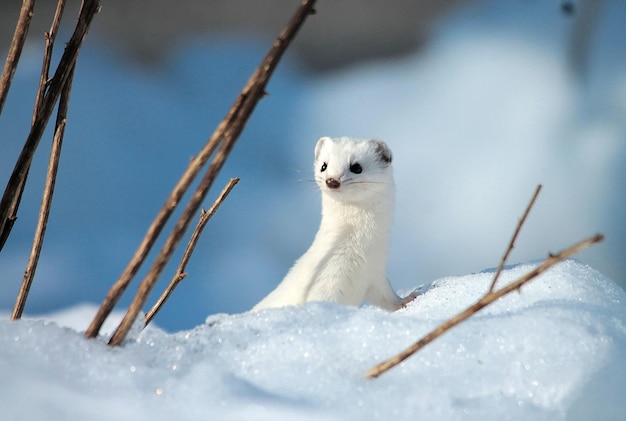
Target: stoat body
<point x="347" y="261"/>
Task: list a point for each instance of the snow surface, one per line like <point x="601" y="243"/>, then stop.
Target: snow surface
<point x="531" y="355"/>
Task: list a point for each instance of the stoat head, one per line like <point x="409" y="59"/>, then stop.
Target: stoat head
<point x="353" y="170"/>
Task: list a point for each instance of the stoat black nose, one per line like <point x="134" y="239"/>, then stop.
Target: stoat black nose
<point x="331" y="183"/>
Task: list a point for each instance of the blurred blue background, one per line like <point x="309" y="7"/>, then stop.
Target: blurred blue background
<point x="480" y="101"/>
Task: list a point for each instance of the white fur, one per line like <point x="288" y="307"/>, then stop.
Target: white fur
<point x="348" y="258"/>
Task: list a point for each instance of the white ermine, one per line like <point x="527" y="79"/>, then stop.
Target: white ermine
<point x="347" y="261"/>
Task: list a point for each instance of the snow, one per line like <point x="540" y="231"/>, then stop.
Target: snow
<point x="532" y="354"/>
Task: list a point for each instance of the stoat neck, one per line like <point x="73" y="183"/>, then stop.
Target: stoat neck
<point x="375" y="217"/>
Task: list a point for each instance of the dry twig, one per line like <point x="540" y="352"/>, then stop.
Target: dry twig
<point x="42" y="222"/>
<point x="224" y="137"/>
<point x="53" y="163"/>
<point x="13" y="192"/>
<point x="487" y="299"/>
<point x="505" y="256"/>
<point x="46" y="201"/>
<point x="50" y="36"/>
<point x="15" y="51"/>
<point x="180" y="274"/>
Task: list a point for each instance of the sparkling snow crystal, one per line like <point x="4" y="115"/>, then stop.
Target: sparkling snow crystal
<point x="545" y="353"/>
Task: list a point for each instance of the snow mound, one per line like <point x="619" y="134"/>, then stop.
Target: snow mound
<point x="534" y="354"/>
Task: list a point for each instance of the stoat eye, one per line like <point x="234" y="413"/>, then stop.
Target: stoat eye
<point x="356" y="168"/>
<point x="324" y="166"/>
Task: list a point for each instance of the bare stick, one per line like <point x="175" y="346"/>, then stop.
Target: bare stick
<point x="512" y="243"/>
<point x="42" y="222"/>
<point x="118" y="288"/>
<point x="487" y="299"/>
<point x="55" y="152"/>
<point x="46" y="201"/>
<point x="12" y="193"/>
<point x="50" y="36"/>
<point x="225" y="137"/>
<point x="15" y="51"/>
<point x="180" y="271"/>
<point x="228" y="124"/>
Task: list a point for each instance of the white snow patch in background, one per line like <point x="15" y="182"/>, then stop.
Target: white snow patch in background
<point x="488" y="110"/>
<point x="529" y="356"/>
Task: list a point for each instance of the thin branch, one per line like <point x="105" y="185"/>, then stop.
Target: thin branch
<point x="487" y="299"/>
<point x="15" y="51"/>
<point x="224" y="137"/>
<point x="512" y="243"/>
<point x="180" y="271"/>
<point x="42" y="222"/>
<point x="50" y="37"/>
<point x="53" y="163"/>
<point x="12" y="194"/>
<point x="118" y="288"/>
<point x="46" y="201"/>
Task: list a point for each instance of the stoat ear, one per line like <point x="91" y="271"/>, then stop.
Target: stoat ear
<point x="318" y="146"/>
<point x="383" y="151"/>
